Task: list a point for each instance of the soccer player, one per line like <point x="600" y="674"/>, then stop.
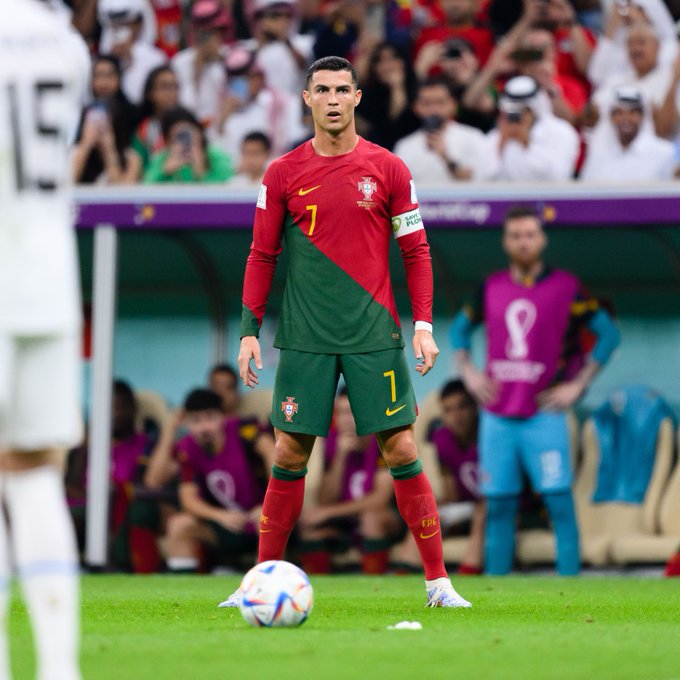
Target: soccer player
<point x="42" y="81"/>
<point x="336" y="200"/>
<point x="535" y="371"/>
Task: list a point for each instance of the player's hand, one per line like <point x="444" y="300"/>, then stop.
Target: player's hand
<point x="481" y="386"/>
<point x="232" y="520"/>
<point x="562" y="396"/>
<point x="250" y="349"/>
<point x="313" y="517"/>
<point x="426" y="351"/>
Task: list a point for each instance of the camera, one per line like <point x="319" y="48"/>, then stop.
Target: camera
<point x="513" y="116"/>
<point x="526" y="54"/>
<point x="432" y="123"/>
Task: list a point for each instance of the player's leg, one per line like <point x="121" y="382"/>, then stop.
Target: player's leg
<point x="501" y="483"/>
<point x="376" y="527"/>
<point x="44" y="414"/>
<point x="304" y="394"/>
<point x="545" y="449"/>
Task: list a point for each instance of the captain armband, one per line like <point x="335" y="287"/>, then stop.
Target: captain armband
<point x="407" y="223"/>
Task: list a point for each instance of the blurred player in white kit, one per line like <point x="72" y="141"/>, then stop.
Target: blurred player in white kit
<point x="43" y="73"/>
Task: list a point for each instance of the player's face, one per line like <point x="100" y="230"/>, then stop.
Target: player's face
<point x="332" y="98"/>
<point x="459" y="415"/>
<point x="524" y="241"/>
<point x="224" y="384"/>
<point x="205" y="427"/>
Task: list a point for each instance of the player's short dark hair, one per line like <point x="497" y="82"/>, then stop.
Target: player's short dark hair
<point x="202" y="399"/>
<point x="452" y="387"/>
<point x="517" y="212"/>
<point x="123" y="391"/>
<point x="331" y="64"/>
<point x="224" y="368"/>
<point x="260" y="137"/>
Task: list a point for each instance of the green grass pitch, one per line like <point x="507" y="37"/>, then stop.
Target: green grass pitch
<point x="524" y="627"/>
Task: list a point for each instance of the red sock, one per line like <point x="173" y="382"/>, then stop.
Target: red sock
<point x="418" y="508"/>
<point x="375" y="562"/>
<point x="316" y="562"/>
<point x="143" y="550"/>
<point x="280" y="511"/>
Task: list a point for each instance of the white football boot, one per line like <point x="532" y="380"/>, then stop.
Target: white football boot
<point x="440" y="593"/>
<point x="234" y="600"/>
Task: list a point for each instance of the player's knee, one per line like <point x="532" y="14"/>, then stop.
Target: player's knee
<point x="181" y="526"/>
<point x="292" y="452"/>
<point x="398" y="447"/>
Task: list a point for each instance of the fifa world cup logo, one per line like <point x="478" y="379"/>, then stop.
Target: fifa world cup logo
<point x="520" y="317"/>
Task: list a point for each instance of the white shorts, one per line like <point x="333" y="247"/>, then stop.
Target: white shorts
<point x="40" y="392"/>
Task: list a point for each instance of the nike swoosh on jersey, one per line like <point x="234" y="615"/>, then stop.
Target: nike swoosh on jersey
<point x="304" y="192"/>
<point x="426" y="536"/>
<point x="390" y="412"/>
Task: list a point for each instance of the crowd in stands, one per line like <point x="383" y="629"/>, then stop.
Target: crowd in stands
<point x="208" y="91"/>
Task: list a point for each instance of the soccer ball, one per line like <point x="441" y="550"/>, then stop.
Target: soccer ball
<point x="276" y="593"/>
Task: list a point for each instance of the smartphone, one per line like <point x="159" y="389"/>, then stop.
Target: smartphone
<point x="98" y="114"/>
<point x="433" y="123"/>
<point x="453" y="51"/>
<point x="238" y="86"/>
<point x="183" y="138"/>
<point x="527" y="54"/>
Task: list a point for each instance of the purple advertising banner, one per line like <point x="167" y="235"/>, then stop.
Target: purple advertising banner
<point x="475" y="206"/>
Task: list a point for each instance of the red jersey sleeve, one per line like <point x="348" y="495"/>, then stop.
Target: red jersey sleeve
<point x="409" y="231"/>
<point x="265" y="248"/>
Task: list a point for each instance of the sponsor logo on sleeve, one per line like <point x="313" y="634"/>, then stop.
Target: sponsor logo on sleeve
<point x="262" y="197"/>
<point x="407" y="223"/>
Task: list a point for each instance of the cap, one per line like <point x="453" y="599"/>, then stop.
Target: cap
<point x="210" y="14"/>
<point x="120" y="11"/>
<point x="628" y="97"/>
<point x="261" y="6"/>
<point x="520" y="92"/>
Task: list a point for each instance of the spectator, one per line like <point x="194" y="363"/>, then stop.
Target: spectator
<point x="142" y="8"/>
<point x="168" y="15"/>
<point x="282" y="53"/>
<point x="611" y="57"/>
<point x="102" y="151"/>
<point x="461" y="508"/>
<point x="160" y="95"/>
<point x="343" y="33"/>
<point x="124" y="21"/>
<point x="355" y="497"/>
<point x="626" y="148"/>
<point x="255" y="155"/>
<point x="442" y="150"/>
<point x="187" y="157"/>
<point x="223" y="467"/>
<point x="388" y="93"/>
<point x="255" y="106"/>
<point x="459" y="67"/>
<point x="223" y="380"/>
<point x="529" y="143"/>
<point x="460" y="21"/>
<point x="200" y="68"/>
<point x="647" y="73"/>
<point x="536" y="57"/>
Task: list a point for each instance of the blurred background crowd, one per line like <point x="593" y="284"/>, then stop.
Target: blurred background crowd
<point x="462" y="90"/>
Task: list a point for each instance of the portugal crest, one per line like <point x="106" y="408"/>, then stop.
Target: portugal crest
<point x="289" y="408"/>
<point x="367" y="187"/>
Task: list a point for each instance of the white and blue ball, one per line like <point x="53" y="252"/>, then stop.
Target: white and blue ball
<point x="276" y="593"/>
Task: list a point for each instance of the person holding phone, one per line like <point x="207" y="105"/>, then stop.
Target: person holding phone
<point x="442" y="150"/>
<point x="187" y="157"/>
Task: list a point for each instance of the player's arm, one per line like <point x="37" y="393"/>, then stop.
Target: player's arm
<point x="408" y="228"/>
<point x="586" y="310"/>
<point x="190" y="501"/>
<point x="162" y="465"/>
<point x="479" y="384"/>
<point x="260" y="268"/>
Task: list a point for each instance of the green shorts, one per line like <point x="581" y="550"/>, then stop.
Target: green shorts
<point x="378" y="386"/>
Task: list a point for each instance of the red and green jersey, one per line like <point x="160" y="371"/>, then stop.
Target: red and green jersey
<point x="336" y="215"/>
